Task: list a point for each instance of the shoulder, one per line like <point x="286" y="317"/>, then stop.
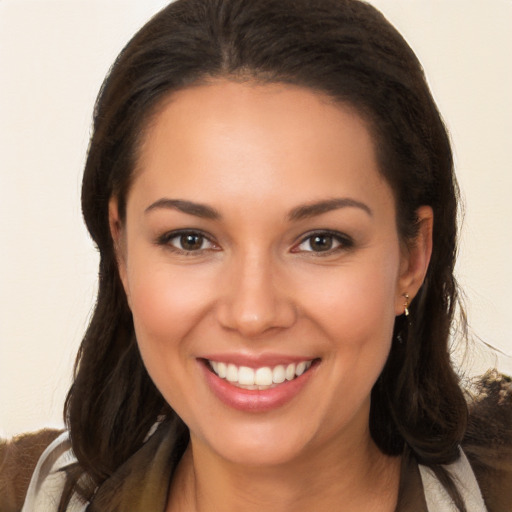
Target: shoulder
<point x="49" y="478"/>
<point x="437" y="497"/>
<point x="18" y="459"/>
<point x="488" y="439"/>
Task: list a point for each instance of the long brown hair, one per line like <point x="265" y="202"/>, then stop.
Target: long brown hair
<point x="344" y="48"/>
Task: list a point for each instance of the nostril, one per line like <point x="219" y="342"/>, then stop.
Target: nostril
<point x="252" y="305"/>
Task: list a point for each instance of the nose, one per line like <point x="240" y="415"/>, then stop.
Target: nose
<point x="255" y="298"/>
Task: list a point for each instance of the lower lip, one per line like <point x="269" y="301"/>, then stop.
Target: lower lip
<point x="250" y="400"/>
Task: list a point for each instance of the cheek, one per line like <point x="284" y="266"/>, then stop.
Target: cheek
<point x="357" y="315"/>
<point x="166" y="306"/>
<point x="165" y="302"/>
<point x="357" y="304"/>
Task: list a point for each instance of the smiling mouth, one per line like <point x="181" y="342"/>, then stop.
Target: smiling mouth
<point x="262" y="378"/>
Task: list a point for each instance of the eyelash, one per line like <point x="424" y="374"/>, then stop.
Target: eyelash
<point x="167" y="238"/>
<point x="343" y="242"/>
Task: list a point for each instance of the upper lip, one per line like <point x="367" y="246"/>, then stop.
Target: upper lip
<point x="257" y="360"/>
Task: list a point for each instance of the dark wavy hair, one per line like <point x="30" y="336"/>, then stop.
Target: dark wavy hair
<point x="349" y="51"/>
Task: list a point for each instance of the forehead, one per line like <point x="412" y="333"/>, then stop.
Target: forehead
<point x="270" y="140"/>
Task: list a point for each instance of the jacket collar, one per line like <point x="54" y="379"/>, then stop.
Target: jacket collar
<point x="142" y="482"/>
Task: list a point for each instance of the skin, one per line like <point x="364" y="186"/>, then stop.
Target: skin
<point x="255" y="154"/>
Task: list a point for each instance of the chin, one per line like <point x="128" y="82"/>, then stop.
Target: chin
<point x="259" y="445"/>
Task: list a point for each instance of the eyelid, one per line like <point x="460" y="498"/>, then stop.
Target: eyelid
<point x="165" y="239"/>
<point x="344" y="241"/>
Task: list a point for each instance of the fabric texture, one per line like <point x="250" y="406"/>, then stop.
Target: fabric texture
<point x="142" y="483"/>
<point x="48" y="480"/>
<point x="18" y="459"/>
<point x="436" y="496"/>
<point x="483" y="472"/>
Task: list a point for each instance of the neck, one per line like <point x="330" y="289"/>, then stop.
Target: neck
<point x="357" y="475"/>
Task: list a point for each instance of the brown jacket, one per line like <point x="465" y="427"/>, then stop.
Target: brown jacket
<point x="18" y="458"/>
<point x="141" y="483"/>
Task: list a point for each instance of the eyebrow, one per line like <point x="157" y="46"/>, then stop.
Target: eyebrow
<point x="313" y="209"/>
<point x="189" y="207"/>
<point x="297" y="213"/>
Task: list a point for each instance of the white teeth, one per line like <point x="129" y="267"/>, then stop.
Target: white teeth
<point x="300" y="369"/>
<point x="263" y="376"/>
<point x="221" y="370"/>
<point x="232" y="373"/>
<point x="278" y="375"/>
<point x="259" y="378"/>
<point x="245" y="376"/>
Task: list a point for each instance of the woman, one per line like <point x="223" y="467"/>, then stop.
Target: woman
<point x="271" y="189"/>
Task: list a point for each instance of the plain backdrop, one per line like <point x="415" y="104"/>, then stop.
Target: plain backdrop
<point x="53" y="57"/>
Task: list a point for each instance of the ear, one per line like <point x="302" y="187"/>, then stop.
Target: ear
<point x="415" y="259"/>
<point x="119" y="241"/>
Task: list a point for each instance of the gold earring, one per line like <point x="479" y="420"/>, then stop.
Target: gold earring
<point x="406" y="304"/>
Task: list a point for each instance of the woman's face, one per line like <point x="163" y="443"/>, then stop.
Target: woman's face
<point x="262" y="264"/>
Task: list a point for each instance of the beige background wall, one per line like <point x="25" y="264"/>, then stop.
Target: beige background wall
<point x="53" y="56"/>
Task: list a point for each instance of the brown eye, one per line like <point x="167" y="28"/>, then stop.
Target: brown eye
<point x="187" y="241"/>
<point x="320" y="243"/>
<point x="191" y="242"/>
<point x="324" y="242"/>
